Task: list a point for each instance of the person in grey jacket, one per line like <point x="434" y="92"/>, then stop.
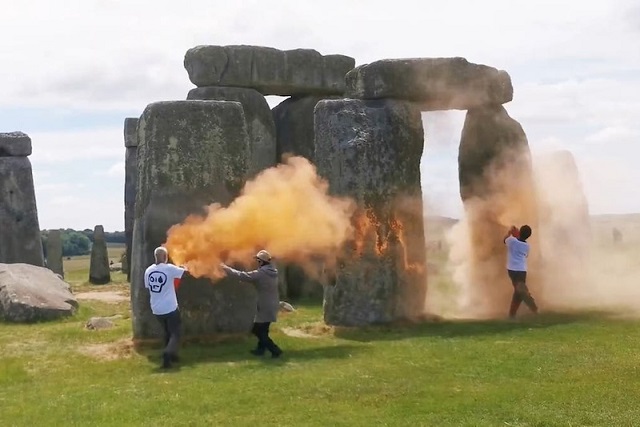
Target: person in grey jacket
<point x="265" y="280"/>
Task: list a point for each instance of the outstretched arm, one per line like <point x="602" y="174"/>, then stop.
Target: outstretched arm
<point x="245" y="276"/>
<point x="179" y="273"/>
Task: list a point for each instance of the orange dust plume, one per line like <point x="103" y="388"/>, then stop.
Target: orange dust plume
<point x="286" y="210"/>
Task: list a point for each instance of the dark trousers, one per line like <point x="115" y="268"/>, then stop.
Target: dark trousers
<point x="261" y="331"/>
<point x="520" y="292"/>
<point x="171" y="323"/>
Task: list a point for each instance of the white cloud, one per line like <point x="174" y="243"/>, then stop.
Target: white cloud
<point x="82" y="212"/>
<point x="116" y="170"/>
<point x="615" y="135"/>
<point x="575" y="67"/>
<point x="77" y="145"/>
<point x="103" y="55"/>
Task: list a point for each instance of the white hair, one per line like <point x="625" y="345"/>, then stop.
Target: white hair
<point x="160" y="250"/>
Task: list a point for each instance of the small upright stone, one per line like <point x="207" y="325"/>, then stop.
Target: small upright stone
<point x="54" y="252"/>
<point x="99" y="273"/>
<point x="15" y="144"/>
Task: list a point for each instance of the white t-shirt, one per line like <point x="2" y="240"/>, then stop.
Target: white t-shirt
<point x="159" y="279"/>
<point x="517" y="253"/>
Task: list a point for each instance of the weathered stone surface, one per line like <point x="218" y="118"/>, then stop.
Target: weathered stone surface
<point x="130" y="184"/>
<point x="29" y="293"/>
<point x="295" y="136"/>
<point x="190" y="154"/>
<point x="260" y="125"/>
<point x="130" y="191"/>
<point x="19" y="226"/>
<point x="299" y="284"/>
<point x="15" y="144"/>
<point x="99" y="323"/>
<point x="370" y="151"/>
<point x="294" y="126"/>
<point x="565" y="229"/>
<point x="434" y="83"/>
<point x="99" y="273"/>
<point x="270" y="71"/>
<point x="496" y="186"/>
<point x="130" y="132"/>
<point x="54" y="252"/>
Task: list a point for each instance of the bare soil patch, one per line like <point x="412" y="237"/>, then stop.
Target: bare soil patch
<point x="109" y="351"/>
<point x="104" y="296"/>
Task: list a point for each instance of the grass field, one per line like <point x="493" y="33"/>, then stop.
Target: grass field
<point x="553" y="370"/>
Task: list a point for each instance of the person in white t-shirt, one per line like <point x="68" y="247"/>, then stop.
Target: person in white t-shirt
<point x="517" y="253"/>
<point x="162" y="279"/>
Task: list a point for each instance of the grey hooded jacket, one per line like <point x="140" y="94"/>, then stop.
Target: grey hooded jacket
<point x="265" y="280"/>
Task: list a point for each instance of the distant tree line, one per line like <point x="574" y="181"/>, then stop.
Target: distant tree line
<point x="78" y="242"/>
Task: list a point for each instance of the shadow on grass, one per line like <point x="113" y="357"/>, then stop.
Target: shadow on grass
<point x="465" y="328"/>
<point x="236" y="350"/>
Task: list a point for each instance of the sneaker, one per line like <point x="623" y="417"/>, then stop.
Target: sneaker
<point x="277" y="354"/>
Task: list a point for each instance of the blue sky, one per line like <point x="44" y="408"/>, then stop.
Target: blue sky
<point x="78" y="68"/>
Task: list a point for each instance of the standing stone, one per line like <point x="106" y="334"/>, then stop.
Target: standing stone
<point x="54" y="252"/>
<point x="565" y="228"/>
<point x="370" y="151"/>
<point x="19" y="226"/>
<point x="190" y="154"/>
<point x="269" y="71"/>
<point x="260" y="125"/>
<point x="496" y="186"/>
<point x="130" y="183"/>
<point x="434" y="83"/>
<point x="294" y="126"/>
<point x="99" y="273"/>
<point x="295" y="135"/>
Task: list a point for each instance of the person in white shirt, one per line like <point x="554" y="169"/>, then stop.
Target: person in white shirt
<point x="517" y="253"/>
<point x="162" y="280"/>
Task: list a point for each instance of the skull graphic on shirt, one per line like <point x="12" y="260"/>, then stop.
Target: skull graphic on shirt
<point x="157" y="280"/>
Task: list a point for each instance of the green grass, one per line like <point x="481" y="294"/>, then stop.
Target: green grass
<point x="553" y="370"/>
<point x="76" y="268"/>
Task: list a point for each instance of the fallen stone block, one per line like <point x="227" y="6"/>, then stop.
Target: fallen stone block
<point x="29" y="293"/>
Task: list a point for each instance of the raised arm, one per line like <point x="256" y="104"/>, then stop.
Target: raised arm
<point x="510" y="233"/>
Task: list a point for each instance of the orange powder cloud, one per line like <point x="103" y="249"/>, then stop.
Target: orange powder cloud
<point x="285" y="209"/>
